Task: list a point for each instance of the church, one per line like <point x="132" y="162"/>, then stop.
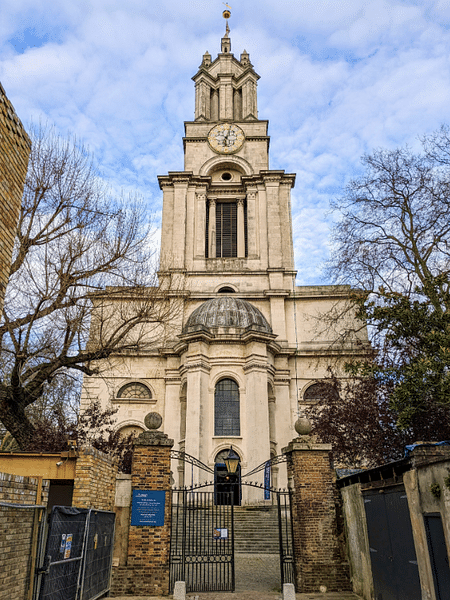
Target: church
<point x="249" y="346"/>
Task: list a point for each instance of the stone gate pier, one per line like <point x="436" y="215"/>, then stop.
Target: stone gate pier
<point x="146" y="572"/>
<point x="320" y="560"/>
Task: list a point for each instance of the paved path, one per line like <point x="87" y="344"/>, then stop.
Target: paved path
<point x="257" y="572"/>
<point x="257" y="578"/>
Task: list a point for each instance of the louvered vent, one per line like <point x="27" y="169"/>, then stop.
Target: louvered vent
<point x="226" y="229"/>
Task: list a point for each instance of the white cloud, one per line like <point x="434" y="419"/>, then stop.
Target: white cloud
<point x="337" y="80"/>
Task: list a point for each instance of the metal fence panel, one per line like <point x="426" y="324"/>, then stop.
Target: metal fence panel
<point x="64" y="553"/>
<point x="98" y="555"/>
<point x="78" y="554"/>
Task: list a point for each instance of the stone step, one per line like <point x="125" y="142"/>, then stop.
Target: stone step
<point x="256" y="530"/>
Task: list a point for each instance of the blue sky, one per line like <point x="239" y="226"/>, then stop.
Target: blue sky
<point x="338" y="79"/>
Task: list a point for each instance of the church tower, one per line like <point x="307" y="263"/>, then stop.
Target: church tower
<point x="227" y="218"/>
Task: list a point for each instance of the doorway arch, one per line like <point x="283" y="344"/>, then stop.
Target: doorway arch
<point x="227" y="487"/>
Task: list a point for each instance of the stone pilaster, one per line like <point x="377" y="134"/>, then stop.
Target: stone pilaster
<point x="212" y="229"/>
<point x="318" y="557"/>
<point x="240" y="229"/>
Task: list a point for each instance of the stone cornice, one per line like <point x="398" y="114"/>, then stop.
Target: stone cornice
<point x="278" y="381"/>
<point x="196" y="139"/>
<point x="197" y="365"/>
<point x="257" y="138"/>
<point x="302" y="445"/>
<point x="255" y="365"/>
<point x="277" y="293"/>
<point x="154" y="438"/>
<point x="236" y="192"/>
<point x="172" y="381"/>
<point x="184" y="178"/>
<point x="247" y="71"/>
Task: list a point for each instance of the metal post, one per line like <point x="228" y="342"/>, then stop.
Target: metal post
<point x="233" y="575"/>
<point x="183" y="538"/>
<point x="280" y="537"/>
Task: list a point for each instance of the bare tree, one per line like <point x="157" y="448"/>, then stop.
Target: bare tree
<point x="394" y="232"/>
<point x="393" y="244"/>
<point x="83" y="282"/>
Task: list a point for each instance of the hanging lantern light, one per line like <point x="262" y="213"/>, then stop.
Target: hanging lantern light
<point x="232" y="461"/>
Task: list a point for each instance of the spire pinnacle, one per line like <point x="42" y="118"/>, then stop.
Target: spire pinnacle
<point x="226" y="15"/>
<point x="226" y="43"/>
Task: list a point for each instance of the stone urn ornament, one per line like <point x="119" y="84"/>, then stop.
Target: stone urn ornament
<point x="153" y="421"/>
<point x="303" y="427"/>
<point x="152" y="437"/>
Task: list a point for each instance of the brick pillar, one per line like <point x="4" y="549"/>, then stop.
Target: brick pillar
<point x="147" y="569"/>
<point x="319" y="561"/>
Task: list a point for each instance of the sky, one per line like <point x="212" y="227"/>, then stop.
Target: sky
<point x="338" y="79"/>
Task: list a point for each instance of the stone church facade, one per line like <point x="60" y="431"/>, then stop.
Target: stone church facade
<point x="250" y="345"/>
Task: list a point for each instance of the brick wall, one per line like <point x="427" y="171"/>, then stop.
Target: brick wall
<point x="147" y="569"/>
<point x="14" y="152"/>
<point x="319" y="557"/>
<point x="17" y="489"/>
<point x="95" y="480"/>
<point x="18" y="522"/>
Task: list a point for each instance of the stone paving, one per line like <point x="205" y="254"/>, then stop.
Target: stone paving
<point x="257" y="578"/>
<point x="257" y="572"/>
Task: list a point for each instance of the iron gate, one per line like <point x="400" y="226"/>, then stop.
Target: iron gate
<point x="202" y="541"/>
<point x="202" y="552"/>
<point x="77" y="561"/>
<point x="287" y="562"/>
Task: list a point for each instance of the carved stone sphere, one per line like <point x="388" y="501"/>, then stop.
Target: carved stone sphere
<point x="153" y="420"/>
<point x="303" y="426"/>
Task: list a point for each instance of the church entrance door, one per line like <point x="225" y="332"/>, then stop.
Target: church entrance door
<point x="227" y="487"/>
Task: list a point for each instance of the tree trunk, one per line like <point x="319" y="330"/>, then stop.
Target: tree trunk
<point x="13" y="417"/>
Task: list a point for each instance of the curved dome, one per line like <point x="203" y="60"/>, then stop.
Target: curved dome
<point x="226" y="311"/>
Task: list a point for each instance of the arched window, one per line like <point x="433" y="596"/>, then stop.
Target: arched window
<point x="128" y="430"/>
<point x="317" y="392"/>
<point x="135" y="391"/>
<point x="226" y="408"/>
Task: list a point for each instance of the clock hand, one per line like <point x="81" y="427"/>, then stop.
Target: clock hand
<point x="226" y="138"/>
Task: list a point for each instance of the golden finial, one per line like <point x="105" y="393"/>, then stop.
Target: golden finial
<point x="226" y="15"/>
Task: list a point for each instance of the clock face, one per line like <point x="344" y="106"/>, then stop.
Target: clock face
<point x="226" y="138"/>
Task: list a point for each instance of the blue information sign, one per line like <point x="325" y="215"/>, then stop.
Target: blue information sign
<point x="147" y="508"/>
<point x="267" y="481"/>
